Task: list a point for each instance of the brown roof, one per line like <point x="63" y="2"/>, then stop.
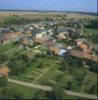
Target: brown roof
<point x="39" y="40"/>
<point x="76" y="53"/>
<point x="18" y="33"/>
<point x="4" y="70"/>
<point x="83" y="46"/>
<point x="79" y="54"/>
<point x="50" y="43"/>
<point x="24" y="41"/>
<point x="55" y="49"/>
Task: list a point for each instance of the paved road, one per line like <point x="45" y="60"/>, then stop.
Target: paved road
<point x="48" y="88"/>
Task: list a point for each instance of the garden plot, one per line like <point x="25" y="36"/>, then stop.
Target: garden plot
<point x="90" y="83"/>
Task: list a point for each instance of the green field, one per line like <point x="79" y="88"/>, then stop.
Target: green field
<point x="92" y="31"/>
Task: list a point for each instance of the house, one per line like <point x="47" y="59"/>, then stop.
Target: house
<point x="79" y="54"/>
<point x="4" y="30"/>
<point x="62" y="30"/>
<point x="39" y="40"/>
<point x="2" y="38"/>
<point x="50" y="42"/>
<point x="36" y="26"/>
<point x="20" y="28"/>
<point x="41" y="33"/>
<point x="29" y="32"/>
<point x="61" y="36"/>
<point x="62" y="52"/>
<point x="18" y="33"/>
<point x="55" y="50"/>
<point x="24" y="41"/>
<point x="82" y="45"/>
<point x="81" y="40"/>
<point x="58" y="51"/>
<point x="7" y="37"/>
<point x="4" y="71"/>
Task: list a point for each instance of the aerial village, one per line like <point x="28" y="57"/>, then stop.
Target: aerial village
<point x="39" y="33"/>
<point x="46" y="45"/>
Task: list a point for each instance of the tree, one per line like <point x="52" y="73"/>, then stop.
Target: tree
<point x="17" y="66"/>
<point x="64" y="65"/>
<point x="94" y="38"/>
<point x="50" y="95"/>
<point x="40" y="95"/>
<point x="40" y="65"/>
<point x="92" y="24"/>
<point x="58" y="92"/>
<point x="11" y="93"/>
<point x="3" y="58"/>
<point x="68" y="85"/>
<point x="3" y="81"/>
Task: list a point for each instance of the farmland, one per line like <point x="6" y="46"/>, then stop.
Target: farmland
<point x="33" y="15"/>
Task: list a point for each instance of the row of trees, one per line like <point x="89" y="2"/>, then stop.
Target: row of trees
<point x="92" y="24"/>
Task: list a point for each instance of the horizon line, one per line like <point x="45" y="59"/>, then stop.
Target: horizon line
<point x="47" y="10"/>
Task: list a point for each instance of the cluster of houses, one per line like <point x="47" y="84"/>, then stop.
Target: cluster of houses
<point x="37" y="32"/>
<point x="6" y="35"/>
<point x="32" y="33"/>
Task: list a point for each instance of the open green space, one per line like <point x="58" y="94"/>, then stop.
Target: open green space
<point x="91" y="31"/>
<point x="90" y="83"/>
<point x="6" y="47"/>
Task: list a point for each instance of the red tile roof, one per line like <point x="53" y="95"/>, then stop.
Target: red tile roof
<point x="4" y="70"/>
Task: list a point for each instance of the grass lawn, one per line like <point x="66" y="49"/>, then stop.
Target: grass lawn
<point x="48" y="75"/>
<point x="6" y="47"/>
<point x="90" y="83"/>
<point x="93" y="31"/>
<point x="28" y="92"/>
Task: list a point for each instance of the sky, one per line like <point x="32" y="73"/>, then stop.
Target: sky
<point x="57" y="5"/>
